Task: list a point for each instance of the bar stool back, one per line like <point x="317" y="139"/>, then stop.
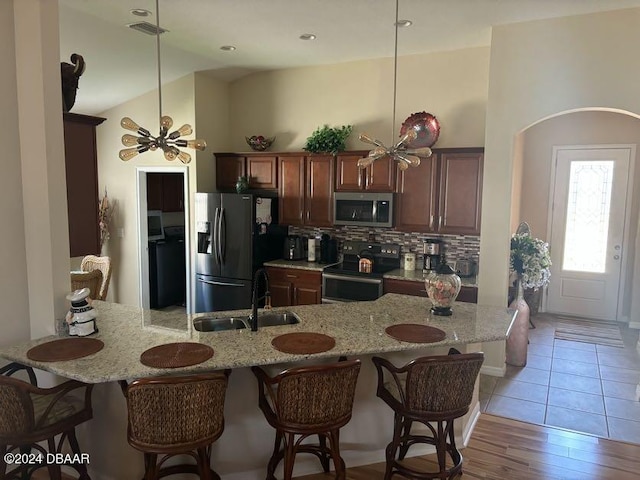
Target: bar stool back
<point x="176" y="415"/>
<point x="435" y="389"/>
<point x="306" y="401"/>
<point x="30" y="415"/>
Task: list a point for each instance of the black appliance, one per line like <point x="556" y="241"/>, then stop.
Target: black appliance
<point x="433" y="250"/>
<point x="365" y="209"/>
<point x="328" y="249"/>
<point x="167" y="283"/>
<point x="295" y="248"/>
<point x="345" y="283"/>
<point x="231" y="246"/>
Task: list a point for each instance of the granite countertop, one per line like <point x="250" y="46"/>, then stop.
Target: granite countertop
<point x="298" y="264"/>
<point x="358" y="328"/>
<point x="419" y="276"/>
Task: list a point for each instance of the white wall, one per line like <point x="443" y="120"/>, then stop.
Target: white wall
<point x="292" y="103"/>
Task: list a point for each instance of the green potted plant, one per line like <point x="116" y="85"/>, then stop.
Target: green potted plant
<point x="328" y="139"/>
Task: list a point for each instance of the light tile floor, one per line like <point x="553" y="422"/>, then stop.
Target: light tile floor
<point x="580" y="386"/>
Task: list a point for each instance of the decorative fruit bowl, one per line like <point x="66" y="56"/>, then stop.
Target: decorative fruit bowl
<point x="259" y="143"/>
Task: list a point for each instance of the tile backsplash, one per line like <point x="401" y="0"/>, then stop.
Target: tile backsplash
<point x="457" y="247"/>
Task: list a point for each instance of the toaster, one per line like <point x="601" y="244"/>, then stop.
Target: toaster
<point x="465" y="268"/>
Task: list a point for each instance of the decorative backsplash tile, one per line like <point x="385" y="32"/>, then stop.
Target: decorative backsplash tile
<point x="457" y="247"/>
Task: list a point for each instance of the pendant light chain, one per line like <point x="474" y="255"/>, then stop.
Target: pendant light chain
<point x="395" y="76"/>
<point x="158" y="59"/>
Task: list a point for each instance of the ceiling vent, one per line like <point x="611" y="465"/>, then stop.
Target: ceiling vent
<point x="146" y="27"/>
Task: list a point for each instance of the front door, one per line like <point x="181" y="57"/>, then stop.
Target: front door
<point x="588" y="214"/>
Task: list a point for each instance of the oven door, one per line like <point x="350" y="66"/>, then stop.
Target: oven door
<point x="349" y="288"/>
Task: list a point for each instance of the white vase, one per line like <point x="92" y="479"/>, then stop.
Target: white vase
<point x="518" y="339"/>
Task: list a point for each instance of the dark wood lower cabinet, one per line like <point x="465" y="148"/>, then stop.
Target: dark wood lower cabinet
<point x="291" y="286"/>
<point x="407" y="287"/>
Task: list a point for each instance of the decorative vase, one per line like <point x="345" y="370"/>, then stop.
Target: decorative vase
<point x="242" y="185"/>
<point x="442" y="286"/>
<point x="519" y="335"/>
<point x="81" y="317"/>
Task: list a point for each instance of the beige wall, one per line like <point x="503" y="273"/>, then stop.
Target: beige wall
<point x="292" y="103"/>
<point x="212" y="124"/>
<point x="579" y="128"/>
<point x="120" y="177"/>
<point x="539" y="69"/>
<point x="13" y="275"/>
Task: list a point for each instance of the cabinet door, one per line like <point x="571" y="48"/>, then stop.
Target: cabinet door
<point x="82" y="183"/>
<point x="291" y="191"/>
<point x="379" y="176"/>
<point x="281" y="293"/>
<point x="172" y="192"/>
<point x="468" y="295"/>
<point x="349" y="178"/>
<point x="416" y="200"/>
<point x="405" y="287"/>
<point x="154" y="191"/>
<point x="319" y="194"/>
<point x="228" y="168"/>
<point x="307" y="294"/>
<point x="262" y="171"/>
<point x="460" y="193"/>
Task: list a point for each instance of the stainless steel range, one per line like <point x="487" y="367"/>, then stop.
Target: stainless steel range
<point x="346" y="282"/>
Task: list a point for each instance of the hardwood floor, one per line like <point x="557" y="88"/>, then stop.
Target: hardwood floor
<point x="501" y="448"/>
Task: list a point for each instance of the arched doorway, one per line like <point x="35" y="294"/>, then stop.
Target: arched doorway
<point x="543" y="157"/>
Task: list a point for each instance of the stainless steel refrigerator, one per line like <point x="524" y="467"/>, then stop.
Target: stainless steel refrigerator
<point x="233" y="241"/>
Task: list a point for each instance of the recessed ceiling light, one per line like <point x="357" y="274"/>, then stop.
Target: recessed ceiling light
<point x="307" y="36"/>
<point x="228" y="48"/>
<point x="140" y="12"/>
<point x="403" y="23"/>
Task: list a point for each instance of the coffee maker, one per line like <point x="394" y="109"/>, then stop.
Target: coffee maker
<point x="433" y="250"/>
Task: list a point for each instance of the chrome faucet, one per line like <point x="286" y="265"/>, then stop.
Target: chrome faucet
<point x="261" y="272"/>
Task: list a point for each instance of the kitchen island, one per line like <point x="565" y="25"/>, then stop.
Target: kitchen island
<point x="244" y="448"/>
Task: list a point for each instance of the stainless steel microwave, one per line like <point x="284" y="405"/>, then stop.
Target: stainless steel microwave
<point x="364" y="209"/>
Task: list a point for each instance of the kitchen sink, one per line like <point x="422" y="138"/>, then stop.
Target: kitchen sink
<point x="269" y="319"/>
<point x="213" y="324"/>
<point x="277" y="318"/>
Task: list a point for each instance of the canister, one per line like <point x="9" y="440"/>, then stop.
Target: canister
<point x="409" y="261"/>
<point x="311" y="250"/>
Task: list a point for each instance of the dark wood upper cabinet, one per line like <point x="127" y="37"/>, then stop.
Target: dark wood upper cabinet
<point x="229" y="167"/>
<point x="81" y="168"/>
<point x="460" y="192"/>
<point x="260" y="168"/>
<point x="306" y="190"/>
<point x="165" y="191"/>
<point x="378" y="177"/>
<point x="443" y="194"/>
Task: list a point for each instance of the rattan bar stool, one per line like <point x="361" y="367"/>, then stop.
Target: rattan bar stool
<point x="174" y="416"/>
<point x="306" y="401"/>
<point x="435" y="389"/>
<point x="30" y="415"/>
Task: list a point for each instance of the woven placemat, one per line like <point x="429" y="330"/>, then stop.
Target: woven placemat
<point x="303" y="343"/>
<point x="65" y="349"/>
<point x="175" y="355"/>
<point x="415" y="333"/>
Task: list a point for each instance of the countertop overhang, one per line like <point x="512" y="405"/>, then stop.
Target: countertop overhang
<point x="358" y="328"/>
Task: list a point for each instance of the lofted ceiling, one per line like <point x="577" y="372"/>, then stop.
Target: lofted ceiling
<point x="121" y="63"/>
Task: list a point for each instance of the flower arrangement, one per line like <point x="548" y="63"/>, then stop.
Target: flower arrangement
<point x="328" y="139"/>
<point x="105" y="214"/>
<point x="530" y="260"/>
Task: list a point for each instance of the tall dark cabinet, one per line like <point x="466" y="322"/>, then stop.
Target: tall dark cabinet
<point x="82" y="183"/>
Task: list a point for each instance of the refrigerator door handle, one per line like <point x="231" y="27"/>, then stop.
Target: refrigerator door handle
<point x="223" y="236"/>
<point x="214" y="236"/>
<point x="219" y="236"/>
<point x="224" y="284"/>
